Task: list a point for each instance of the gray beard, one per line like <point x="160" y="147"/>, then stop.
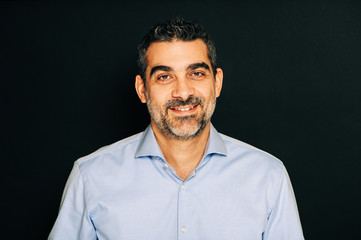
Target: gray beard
<point x="169" y="132"/>
<point x="165" y="126"/>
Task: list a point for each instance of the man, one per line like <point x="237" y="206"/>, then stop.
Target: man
<point x="180" y="178"/>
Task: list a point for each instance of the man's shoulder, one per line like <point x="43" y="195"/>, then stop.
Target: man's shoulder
<point x="237" y="147"/>
<point x="116" y="148"/>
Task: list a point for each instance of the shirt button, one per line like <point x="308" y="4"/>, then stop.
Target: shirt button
<point x="183" y="229"/>
<point x="183" y="187"/>
<point x="165" y="165"/>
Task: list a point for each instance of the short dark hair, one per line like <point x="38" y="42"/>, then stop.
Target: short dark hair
<point x="172" y="29"/>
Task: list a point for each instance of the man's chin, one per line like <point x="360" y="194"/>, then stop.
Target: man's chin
<point x="185" y="134"/>
<point x="186" y="131"/>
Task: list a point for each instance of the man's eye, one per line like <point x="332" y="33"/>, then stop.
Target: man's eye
<point x="197" y="74"/>
<point x="163" y="77"/>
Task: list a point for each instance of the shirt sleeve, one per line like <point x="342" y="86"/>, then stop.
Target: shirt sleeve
<point x="73" y="221"/>
<point x="283" y="221"/>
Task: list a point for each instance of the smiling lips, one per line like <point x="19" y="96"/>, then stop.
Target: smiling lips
<point x="183" y="108"/>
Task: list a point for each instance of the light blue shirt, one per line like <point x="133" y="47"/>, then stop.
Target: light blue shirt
<point x="128" y="191"/>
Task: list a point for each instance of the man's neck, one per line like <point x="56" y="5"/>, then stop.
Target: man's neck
<point x="182" y="155"/>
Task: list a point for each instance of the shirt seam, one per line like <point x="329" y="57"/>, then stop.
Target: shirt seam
<point x="86" y="191"/>
<point x="278" y="189"/>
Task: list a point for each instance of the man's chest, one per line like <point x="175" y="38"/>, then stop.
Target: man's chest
<point x="203" y="210"/>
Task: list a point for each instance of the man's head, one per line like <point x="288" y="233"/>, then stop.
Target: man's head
<point x="182" y="85"/>
<point x="173" y="29"/>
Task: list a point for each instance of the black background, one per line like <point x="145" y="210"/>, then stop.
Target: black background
<point x="291" y="87"/>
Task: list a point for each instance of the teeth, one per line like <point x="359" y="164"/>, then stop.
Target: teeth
<point x="184" y="109"/>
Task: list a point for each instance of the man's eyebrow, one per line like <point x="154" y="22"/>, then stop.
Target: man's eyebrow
<point x="198" y="65"/>
<point x="160" y="68"/>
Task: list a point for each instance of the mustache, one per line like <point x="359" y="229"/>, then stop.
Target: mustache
<point x="189" y="101"/>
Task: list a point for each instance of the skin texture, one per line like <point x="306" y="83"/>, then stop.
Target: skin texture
<point x="180" y="94"/>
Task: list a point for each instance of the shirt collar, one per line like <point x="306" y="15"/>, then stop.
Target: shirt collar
<point x="148" y="145"/>
<point x="215" y="143"/>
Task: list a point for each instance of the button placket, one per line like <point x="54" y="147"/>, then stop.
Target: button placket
<point x="182" y="211"/>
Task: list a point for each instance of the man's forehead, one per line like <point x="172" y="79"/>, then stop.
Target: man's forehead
<point x="177" y="53"/>
<point x="176" y="41"/>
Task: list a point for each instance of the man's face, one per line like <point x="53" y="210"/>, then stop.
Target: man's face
<point x="181" y="89"/>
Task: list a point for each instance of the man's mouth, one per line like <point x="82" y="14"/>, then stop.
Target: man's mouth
<point x="183" y="108"/>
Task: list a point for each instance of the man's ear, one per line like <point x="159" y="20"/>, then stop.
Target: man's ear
<point x="140" y="88"/>
<point x="219" y="81"/>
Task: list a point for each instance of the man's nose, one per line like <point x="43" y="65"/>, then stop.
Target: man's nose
<point x="183" y="89"/>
